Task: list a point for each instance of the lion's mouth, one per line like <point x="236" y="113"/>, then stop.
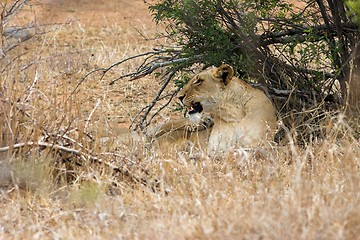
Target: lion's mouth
<point x="196" y="108"/>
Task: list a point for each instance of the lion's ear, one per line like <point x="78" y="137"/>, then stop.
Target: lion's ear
<point x="225" y="72"/>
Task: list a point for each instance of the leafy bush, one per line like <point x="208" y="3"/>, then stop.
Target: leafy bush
<point x="286" y="46"/>
<point x="301" y="52"/>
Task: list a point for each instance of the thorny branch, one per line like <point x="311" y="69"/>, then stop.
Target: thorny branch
<point x="144" y="69"/>
<point x="154" y="60"/>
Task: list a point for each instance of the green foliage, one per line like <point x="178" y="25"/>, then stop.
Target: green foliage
<point x="232" y="31"/>
<point x="286" y="46"/>
<point x="199" y="27"/>
<point x="180" y="82"/>
<point x="354" y="10"/>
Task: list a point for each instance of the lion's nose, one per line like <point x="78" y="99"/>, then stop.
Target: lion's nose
<point x="181" y="98"/>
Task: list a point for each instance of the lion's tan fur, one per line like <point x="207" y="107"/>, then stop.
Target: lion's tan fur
<point x="243" y="116"/>
<point x="182" y="134"/>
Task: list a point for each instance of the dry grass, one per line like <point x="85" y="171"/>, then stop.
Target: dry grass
<point x="289" y="192"/>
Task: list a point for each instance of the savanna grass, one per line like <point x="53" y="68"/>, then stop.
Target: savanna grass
<point x="310" y="191"/>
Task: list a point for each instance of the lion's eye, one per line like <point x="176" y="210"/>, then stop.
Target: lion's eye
<point x="198" y="81"/>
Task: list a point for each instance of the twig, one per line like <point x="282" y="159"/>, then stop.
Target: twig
<point x="91" y="113"/>
<point x="73" y="141"/>
<point x="16" y="5"/>
<point x="148" y="69"/>
<point x="163" y="106"/>
<point x="154" y="101"/>
<point x="32" y="87"/>
<point x="105" y="70"/>
<point x="41" y="144"/>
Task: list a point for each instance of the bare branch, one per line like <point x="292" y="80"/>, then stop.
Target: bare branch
<point x="16" y="5"/>
<point x="91" y="113"/>
<point x="105" y="70"/>
<point x="141" y="72"/>
<point x="148" y="108"/>
<point x="150" y="68"/>
<point x="300" y="35"/>
<point x="82" y="155"/>
<point x="163" y="106"/>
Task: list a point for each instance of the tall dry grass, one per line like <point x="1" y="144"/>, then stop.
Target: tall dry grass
<point x="288" y="192"/>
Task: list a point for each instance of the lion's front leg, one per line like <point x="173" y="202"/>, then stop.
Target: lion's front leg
<point x="184" y="125"/>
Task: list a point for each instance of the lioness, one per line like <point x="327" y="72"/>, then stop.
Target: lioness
<point x="225" y="112"/>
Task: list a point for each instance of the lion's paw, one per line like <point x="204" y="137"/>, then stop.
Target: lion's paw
<point x="207" y="121"/>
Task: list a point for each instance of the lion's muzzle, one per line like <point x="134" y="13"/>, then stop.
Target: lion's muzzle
<point x="196" y="108"/>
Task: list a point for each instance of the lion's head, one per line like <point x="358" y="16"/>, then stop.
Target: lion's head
<point x="204" y="90"/>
